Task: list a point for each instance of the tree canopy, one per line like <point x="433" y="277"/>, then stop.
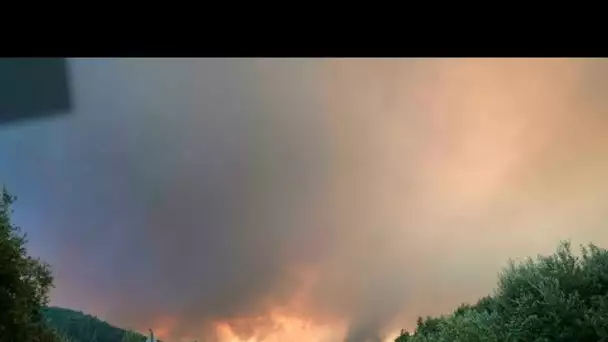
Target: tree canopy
<point x="24" y="284"/>
<point x="556" y="298"/>
<point x="80" y="327"/>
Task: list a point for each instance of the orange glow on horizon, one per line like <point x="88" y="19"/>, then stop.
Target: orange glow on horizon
<point x="276" y="328"/>
<point x="163" y="327"/>
<point x="293" y="321"/>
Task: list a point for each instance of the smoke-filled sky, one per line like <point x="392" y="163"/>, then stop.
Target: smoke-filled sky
<point x="306" y="200"/>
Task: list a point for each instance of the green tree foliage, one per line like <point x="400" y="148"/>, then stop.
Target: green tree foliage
<point x="24" y="284"/>
<point x="556" y="298"/>
<point x="64" y="337"/>
<point x="80" y="327"/>
<point x="131" y="336"/>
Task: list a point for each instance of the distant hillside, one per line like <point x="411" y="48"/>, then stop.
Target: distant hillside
<point x="80" y="327"/>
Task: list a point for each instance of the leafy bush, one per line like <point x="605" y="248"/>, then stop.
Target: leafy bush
<point x="554" y="298"/>
<point x="131" y="336"/>
<point x="24" y="284"/>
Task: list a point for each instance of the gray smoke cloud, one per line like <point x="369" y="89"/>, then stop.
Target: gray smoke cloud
<point x="187" y="195"/>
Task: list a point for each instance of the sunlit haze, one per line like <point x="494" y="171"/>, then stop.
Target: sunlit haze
<point x="306" y="200"/>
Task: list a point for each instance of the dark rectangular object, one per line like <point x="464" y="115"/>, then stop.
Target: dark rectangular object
<point x="33" y="88"/>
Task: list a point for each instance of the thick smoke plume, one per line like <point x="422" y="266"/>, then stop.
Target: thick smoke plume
<point x="306" y="200"/>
